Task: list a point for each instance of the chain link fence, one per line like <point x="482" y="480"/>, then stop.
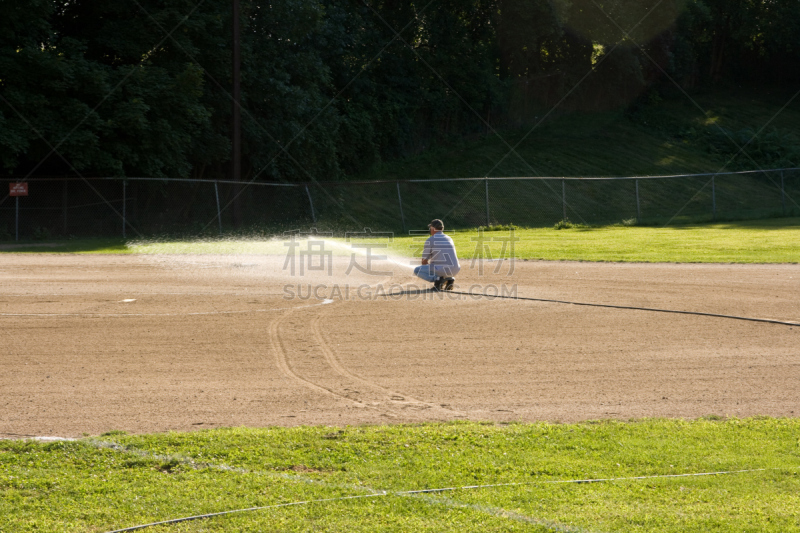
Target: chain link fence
<point x="137" y="207"/>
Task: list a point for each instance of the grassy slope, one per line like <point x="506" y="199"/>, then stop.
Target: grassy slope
<point x="609" y="144"/>
<point x="671" y="137"/>
<point x="79" y="486"/>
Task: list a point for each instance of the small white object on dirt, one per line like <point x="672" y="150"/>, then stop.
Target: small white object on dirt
<point x="128" y="300"/>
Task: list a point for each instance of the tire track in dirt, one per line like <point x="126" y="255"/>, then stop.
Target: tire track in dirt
<point x="379" y="392"/>
<point x="280" y="350"/>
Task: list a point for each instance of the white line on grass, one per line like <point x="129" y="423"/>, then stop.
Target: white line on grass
<point x="502" y="513"/>
<point x="421" y="494"/>
<point x="446" y="501"/>
<point x="38" y="438"/>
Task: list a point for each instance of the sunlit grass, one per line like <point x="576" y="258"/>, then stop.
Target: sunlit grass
<point x="758" y="241"/>
<point x="82" y="486"/>
<point x="766" y="241"/>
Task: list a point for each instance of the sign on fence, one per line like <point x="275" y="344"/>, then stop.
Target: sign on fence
<point x="18" y="189"/>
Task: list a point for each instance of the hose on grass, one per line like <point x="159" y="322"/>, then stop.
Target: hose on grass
<point x="430" y="491"/>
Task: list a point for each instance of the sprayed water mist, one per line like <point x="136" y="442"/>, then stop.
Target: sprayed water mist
<point x="396" y="260"/>
<point x="270" y="259"/>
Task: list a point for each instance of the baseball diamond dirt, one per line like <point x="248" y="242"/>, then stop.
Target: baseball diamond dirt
<point x="180" y="342"/>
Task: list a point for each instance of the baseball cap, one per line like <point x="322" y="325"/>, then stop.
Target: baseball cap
<point x="436" y="224"/>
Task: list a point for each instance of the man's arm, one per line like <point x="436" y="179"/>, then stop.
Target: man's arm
<point x="426" y="252"/>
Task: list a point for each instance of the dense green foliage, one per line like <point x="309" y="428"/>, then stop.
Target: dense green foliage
<point x="113" y="481"/>
<point x="330" y="87"/>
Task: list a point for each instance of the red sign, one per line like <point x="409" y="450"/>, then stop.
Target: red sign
<point x="18" y="189"/>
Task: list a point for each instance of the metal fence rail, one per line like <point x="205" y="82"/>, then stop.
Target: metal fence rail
<point x="64" y="206"/>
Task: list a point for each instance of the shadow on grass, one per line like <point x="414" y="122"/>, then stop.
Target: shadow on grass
<point x="766" y="224"/>
<point x="75" y="246"/>
<point x="771" y="223"/>
<point x="759" y="224"/>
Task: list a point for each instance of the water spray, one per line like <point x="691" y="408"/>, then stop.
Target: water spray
<point x="363" y="253"/>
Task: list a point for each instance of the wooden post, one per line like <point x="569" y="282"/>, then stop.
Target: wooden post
<point x="236" y="137"/>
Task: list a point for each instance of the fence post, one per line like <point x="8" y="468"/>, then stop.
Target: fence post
<point x="564" y="200"/>
<point x="17" y="218"/>
<point x="488" y="220"/>
<point x="713" y="198"/>
<point x="783" y="194"/>
<point x="64" y="204"/>
<point x="219" y="211"/>
<point x="638" y="205"/>
<point x="135" y="206"/>
<point x="400" y="200"/>
<point x="124" y="205"/>
<point x="311" y="203"/>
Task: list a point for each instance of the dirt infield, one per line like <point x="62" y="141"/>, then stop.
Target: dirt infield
<point x="156" y="343"/>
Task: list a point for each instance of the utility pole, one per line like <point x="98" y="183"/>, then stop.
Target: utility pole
<point x="236" y="138"/>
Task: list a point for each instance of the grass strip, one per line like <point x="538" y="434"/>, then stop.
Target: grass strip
<point x="763" y="241"/>
<point x="88" y="486"/>
<point x="758" y="241"/>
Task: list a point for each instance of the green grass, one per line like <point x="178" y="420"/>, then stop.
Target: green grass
<point x="71" y="246"/>
<point x="759" y="241"/>
<point x="763" y="241"/>
<point x="83" y="486"/>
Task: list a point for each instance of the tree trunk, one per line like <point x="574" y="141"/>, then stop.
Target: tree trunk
<point x="718" y="47"/>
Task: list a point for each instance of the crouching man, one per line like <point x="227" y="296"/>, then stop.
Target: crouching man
<point x="439" y="260"/>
